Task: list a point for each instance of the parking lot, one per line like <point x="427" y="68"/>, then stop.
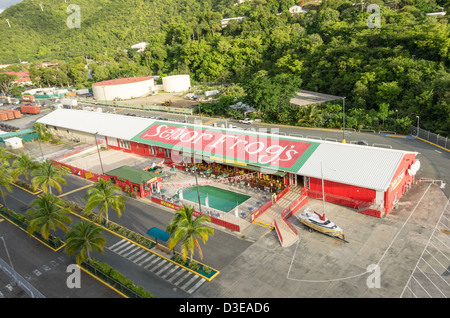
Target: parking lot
<point x="320" y="266"/>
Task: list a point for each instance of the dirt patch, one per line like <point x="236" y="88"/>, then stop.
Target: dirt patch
<point x="177" y="100"/>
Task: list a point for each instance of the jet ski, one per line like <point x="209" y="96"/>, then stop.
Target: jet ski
<point x="320" y="223"/>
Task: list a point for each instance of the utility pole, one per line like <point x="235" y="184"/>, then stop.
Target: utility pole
<point x="196" y="181"/>
<point x="98" y="151"/>
<point x="343" y="119"/>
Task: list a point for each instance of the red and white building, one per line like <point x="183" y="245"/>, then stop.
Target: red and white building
<point x="123" y="88"/>
<point x="23" y="78"/>
<point x="368" y="179"/>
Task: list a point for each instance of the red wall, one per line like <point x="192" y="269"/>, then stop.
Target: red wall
<point x="141" y="149"/>
<point x="399" y="182"/>
<point x="342" y="190"/>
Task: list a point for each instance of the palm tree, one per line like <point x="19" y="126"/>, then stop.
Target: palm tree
<point x="308" y="115"/>
<point x="46" y="215"/>
<point x="41" y="130"/>
<point x="7" y="177"/>
<point x="4" y="155"/>
<point x="48" y="176"/>
<point x="186" y="228"/>
<point x="105" y="195"/>
<point x="25" y="164"/>
<point x="82" y="239"/>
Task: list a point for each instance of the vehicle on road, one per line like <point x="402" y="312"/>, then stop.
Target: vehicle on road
<point x="246" y="121"/>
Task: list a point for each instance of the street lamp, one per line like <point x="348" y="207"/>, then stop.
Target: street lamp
<point x="417" y="134"/>
<point x="10" y="262"/>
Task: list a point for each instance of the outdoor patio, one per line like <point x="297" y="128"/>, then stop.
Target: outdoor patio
<point x="175" y="179"/>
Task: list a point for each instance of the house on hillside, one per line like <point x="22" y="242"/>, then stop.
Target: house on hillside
<point x="297" y="9"/>
<point x="23" y="78"/>
<point x="224" y="22"/>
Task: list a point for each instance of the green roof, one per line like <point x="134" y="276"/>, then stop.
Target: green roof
<point x="133" y="175"/>
<point x="17" y="133"/>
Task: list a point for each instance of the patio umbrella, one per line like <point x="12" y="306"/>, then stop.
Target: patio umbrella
<point x="224" y="175"/>
<point x="173" y="169"/>
<point x="193" y="168"/>
<point x="208" y="171"/>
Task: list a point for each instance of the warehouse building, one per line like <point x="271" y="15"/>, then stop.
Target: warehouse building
<point x="368" y="179"/>
<point x="123" y="88"/>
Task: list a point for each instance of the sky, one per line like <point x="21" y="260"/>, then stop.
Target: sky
<point x="7" y="3"/>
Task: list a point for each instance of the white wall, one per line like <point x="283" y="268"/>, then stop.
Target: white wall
<point x="176" y="83"/>
<point x="123" y="91"/>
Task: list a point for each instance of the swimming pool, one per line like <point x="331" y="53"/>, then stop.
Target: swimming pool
<point x="219" y="199"/>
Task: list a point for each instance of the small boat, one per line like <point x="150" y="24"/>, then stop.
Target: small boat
<point x="320" y="223"/>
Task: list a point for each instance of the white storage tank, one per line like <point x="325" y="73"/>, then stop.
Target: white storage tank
<point x="176" y="83"/>
<point x="123" y="88"/>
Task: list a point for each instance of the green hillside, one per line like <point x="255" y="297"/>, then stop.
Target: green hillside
<point x="37" y="34"/>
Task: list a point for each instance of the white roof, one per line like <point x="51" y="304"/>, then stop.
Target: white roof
<point x="112" y="125"/>
<point x="362" y="166"/>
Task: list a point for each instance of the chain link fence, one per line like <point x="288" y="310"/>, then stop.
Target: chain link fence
<point x="431" y="137"/>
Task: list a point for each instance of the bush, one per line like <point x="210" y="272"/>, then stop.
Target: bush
<point x="119" y="277"/>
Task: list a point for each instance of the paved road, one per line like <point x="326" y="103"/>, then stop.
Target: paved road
<point x="42" y="268"/>
<point x="135" y="263"/>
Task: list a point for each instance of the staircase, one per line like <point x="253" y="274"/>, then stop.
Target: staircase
<point x="273" y="217"/>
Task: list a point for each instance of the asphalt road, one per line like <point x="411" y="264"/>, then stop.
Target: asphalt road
<point x="139" y="216"/>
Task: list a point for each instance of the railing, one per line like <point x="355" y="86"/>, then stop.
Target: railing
<point x="436" y="139"/>
<point x="278" y="231"/>
<point x="78" y="171"/>
<point x="260" y="211"/>
<point x="214" y="220"/>
<point x="292" y="208"/>
<point x="266" y="206"/>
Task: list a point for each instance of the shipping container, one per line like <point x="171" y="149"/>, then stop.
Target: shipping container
<point x="14" y="112"/>
<point x="28" y="98"/>
<point x="69" y="102"/>
<point x="83" y="91"/>
<point x="3" y="116"/>
<point x="71" y="94"/>
<point x="9" y="115"/>
<point x="29" y="109"/>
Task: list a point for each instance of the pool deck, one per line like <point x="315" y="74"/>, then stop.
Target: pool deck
<point x="175" y="180"/>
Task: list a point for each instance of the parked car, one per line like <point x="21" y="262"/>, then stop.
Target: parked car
<point x="246" y="121"/>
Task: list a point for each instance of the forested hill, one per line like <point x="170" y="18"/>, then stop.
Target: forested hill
<point x="43" y="33"/>
<point x="400" y="68"/>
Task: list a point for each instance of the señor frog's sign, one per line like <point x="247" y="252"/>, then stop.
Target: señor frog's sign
<point x="264" y="150"/>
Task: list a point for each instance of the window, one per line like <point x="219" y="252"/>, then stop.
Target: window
<point x="124" y="144"/>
